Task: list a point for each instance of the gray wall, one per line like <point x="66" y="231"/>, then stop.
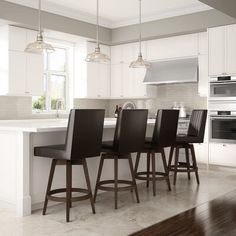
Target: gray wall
<point x="226" y="6"/>
<point x="27" y="17"/>
<point x="185" y="24"/>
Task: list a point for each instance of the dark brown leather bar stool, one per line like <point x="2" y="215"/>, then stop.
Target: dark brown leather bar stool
<point x="195" y="135"/>
<point x="83" y="140"/>
<point x="129" y="137"/>
<point x="164" y="135"/>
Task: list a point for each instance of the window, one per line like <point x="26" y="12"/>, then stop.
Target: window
<point x="56" y="82"/>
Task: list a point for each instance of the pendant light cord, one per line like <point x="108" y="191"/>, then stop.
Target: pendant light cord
<point x="140" y="29"/>
<point x="97" y="23"/>
<point x="39" y="17"/>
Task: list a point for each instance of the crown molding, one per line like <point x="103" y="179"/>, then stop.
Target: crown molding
<point x="89" y="18"/>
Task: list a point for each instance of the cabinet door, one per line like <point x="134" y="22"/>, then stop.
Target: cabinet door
<point x="203" y="75"/>
<point x="140" y="88"/>
<point x="222" y="154"/>
<point x="216" y="37"/>
<point x="128" y="53"/>
<point x="116" y="54"/>
<point x="128" y="78"/>
<point x="17" y="39"/>
<point x="231" y="49"/>
<point x="117" y="81"/>
<point x="202" y="43"/>
<point x="104" y="80"/>
<point x="93" y="80"/>
<point x="17" y="73"/>
<point x="173" y="47"/>
<point x="201" y="152"/>
<point x="34" y="74"/>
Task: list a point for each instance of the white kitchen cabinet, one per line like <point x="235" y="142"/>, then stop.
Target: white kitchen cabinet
<point x="222" y="154"/>
<point x="201" y="152"/>
<point x="17" y="73"/>
<point x="216" y="37"/>
<point x="172" y="47"/>
<point x="116" y="54"/>
<point x="21" y="73"/>
<point x="34" y="75"/>
<point x="92" y="80"/>
<point x="117" y="81"/>
<point x="231" y="49"/>
<point x="203" y="75"/>
<point x="222" y="50"/>
<point x="202" y="43"/>
<point x="128" y="82"/>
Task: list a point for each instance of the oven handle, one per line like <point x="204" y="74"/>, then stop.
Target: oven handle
<point x="223" y="117"/>
<point x="219" y="82"/>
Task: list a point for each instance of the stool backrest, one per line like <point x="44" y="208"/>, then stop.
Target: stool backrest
<point x="130" y="130"/>
<point x="197" y="124"/>
<point x="84" y="133"/>
<point x="165" y="129"/>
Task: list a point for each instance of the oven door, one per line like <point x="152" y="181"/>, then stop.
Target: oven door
<point x="223" y="129"/>
<point x="223" y="90"/>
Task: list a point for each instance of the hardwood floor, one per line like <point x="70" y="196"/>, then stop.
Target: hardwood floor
<point x="214" y="218"/>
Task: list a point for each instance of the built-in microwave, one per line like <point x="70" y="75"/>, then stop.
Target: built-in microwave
<point x="223" y="88"/>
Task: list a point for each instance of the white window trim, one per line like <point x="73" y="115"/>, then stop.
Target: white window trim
<point x="70" y="77"/>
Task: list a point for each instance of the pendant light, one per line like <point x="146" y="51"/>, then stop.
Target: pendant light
<point x="140" y="63"/>
<point x="97" y="55"/>
<point x="39" y="46"/>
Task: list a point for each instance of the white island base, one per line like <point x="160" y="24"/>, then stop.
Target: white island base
<point x="23" y="177"/>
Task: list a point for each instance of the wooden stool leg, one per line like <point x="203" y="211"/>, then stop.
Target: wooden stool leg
<point x="148" y="169"/>
<point x="116" y="179"/>
<point x="133" y="177"/>
<point x="50" y="179"/>
<point x="176" y="164"/>
<point x="68" y="189"/>
<point x="165" y="168"/>
<point x="187" y="161"/>
<point x="154" y="173"/>
<point x="194" y="163"/>
<point x="137" y="163"/>
<point x="98" y="177"/>
<point x="86" y="173"/>
<point x="170" y="158"/>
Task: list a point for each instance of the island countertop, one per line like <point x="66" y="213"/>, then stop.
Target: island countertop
<point x="48" y="125"/>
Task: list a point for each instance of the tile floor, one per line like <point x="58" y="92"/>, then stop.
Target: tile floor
<point x="130" y="216"/>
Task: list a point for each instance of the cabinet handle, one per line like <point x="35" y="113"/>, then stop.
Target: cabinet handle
<point x="121" y="95"/>
<point x="27" y="92"/>
<point x="99" y="95"/>
<point x="224" y="145"/>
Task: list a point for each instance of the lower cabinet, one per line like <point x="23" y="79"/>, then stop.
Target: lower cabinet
<point x="222" y="154"/>
<point x="201" y="152"/>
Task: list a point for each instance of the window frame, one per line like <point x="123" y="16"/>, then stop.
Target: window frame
<point x="68" y="73"/>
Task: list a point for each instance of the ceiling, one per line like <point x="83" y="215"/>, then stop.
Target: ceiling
<point x="117" y="13"/>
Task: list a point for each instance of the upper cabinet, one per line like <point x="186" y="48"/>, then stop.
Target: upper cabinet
<point x="222" y="50"/>
<point x="92" y="80"/>
<point x="21" y="73"/>
<point x="128" y="82"/>
<point x="173" y="47"/>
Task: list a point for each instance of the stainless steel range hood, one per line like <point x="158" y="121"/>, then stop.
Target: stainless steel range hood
<point x="172" y="71"/>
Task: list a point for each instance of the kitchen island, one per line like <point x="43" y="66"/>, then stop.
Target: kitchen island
<point x="23" y="177"/>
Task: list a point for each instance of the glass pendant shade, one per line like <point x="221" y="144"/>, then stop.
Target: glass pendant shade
<point x="140" y="63"/>
<point x="39" y="46"/>
<point x="97" y="56"/>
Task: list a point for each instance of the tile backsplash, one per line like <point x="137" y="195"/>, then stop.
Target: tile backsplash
<point x="186" y="94"/>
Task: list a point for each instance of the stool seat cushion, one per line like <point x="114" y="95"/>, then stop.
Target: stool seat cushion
<point x="52" y="151"/>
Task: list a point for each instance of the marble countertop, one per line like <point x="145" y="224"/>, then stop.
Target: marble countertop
<point x="48" y="125"/>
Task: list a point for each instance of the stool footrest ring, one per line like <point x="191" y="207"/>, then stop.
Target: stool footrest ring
<point x="87" y="195"/>
<point x="110" y="188"/>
